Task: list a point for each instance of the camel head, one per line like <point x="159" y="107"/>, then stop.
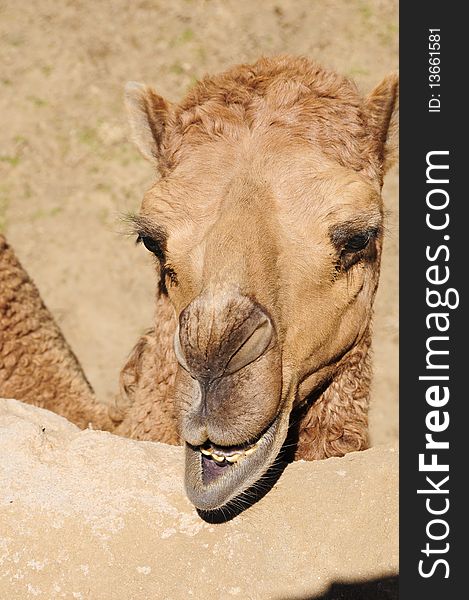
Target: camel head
<point x="266" y="221"/>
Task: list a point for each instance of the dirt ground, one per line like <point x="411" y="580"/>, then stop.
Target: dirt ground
<point x="68" y="173"/>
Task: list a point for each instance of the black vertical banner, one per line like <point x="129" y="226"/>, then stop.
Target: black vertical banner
<point x="434" y="236"/>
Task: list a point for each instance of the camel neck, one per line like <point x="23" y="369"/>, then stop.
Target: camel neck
<point x="336" y="422"/>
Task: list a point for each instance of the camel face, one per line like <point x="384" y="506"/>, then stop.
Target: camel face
<point x="267" y="227"/>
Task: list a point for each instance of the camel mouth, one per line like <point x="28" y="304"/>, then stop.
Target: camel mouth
<point x="215" y="475"/>
<point x="215" y="459"/>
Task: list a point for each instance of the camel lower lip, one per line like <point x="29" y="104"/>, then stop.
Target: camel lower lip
<point x="211" y="483"/>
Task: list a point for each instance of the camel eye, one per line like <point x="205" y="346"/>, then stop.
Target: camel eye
<point x="152" y="246"/>
<point x="357" y="242"/>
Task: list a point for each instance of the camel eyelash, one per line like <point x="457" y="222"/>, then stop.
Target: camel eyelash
<point x="167" y="273"/>
<point x="170" y="273"/>
<point x="151" y="235"/>
<point x="356" y="248"/>
<point x="352" y="233"/>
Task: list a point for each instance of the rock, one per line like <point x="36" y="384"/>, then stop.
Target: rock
<point x="89" y="515"/>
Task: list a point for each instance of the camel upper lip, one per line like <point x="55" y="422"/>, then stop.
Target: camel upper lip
<point x="215" y="475"/>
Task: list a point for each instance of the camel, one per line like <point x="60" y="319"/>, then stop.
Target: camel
<point x="266" y="224"/>
<point x="37" y="365"/>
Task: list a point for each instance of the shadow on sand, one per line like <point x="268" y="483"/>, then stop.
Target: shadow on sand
<point x="386" y="588"/>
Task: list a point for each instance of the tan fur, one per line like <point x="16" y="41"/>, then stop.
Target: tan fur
<point x="258" y="166"/>
<point x="337" y="422"/>
<point x="285" y="93"/>
<point x="144" y="409"/>
<point x="291" y="151"/>
<point x="36" y="363"/>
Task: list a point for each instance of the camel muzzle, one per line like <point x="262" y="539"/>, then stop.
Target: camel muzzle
<point x="216" y="339"/>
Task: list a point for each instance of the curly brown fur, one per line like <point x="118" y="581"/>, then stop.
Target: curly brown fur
<point x="287" y="92"/>
<point x="36" y="364"/>
<point x="337" y="422"/>
<point x="144" y="409"/>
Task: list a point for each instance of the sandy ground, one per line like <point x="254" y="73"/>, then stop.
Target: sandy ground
<point x="67" y="171"/>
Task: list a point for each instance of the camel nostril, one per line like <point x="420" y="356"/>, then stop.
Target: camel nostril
<point x="254" y="346"/>
<point x="219" y="336"/>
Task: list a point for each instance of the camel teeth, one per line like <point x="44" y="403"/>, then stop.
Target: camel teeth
<point x="233" y="458"/>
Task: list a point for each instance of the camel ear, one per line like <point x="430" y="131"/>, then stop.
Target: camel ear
<point x="147" y="113"/>
<point x="383" y="115"/>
